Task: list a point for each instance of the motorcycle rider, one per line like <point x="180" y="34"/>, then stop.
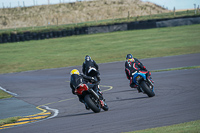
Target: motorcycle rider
<point x="76" y="79"/>
<point x="132" y="65"/>
<point x="88" y="64"/>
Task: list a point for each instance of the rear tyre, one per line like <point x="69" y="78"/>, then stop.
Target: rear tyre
<point x="146" y="89"/>
<point x="95" y="107"/>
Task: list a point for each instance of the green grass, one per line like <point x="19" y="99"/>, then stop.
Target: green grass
<point x="188" y="127"/>
<point x="70" y="51"/>
<point x="9" y="120"/>
<point x="3" y="94"/>
<point x="178" y="68"/>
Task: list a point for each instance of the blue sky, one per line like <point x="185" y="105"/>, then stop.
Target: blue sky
<point x="178" y="4"/>
<point x="170" y="4"/>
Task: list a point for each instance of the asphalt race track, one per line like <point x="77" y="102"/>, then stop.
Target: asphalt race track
<point x="176" y="101"/>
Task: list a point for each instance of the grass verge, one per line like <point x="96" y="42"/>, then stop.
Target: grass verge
<point x="178" y="68"/>
<point x="9" y="120"/>
<point x="188" y="127"/>
<point x="3" y="94"/>
<point x="70" y="51"/>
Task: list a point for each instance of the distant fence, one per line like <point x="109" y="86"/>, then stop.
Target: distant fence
<point x="27" y="36"/>
<point x="35" y="3"/>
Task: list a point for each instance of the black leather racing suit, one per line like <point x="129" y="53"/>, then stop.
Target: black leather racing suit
<point x="131" y="67"/>
<point x="76" y="80"/>
<point x="86" y="66"/>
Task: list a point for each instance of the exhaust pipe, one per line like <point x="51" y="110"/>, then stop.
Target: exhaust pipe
<point x="94" y="93"/>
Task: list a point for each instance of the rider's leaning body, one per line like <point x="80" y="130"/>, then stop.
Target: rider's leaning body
<point x="77" y="79"/>
<point x="89" y="63"/>
<point x="132" y="65"/>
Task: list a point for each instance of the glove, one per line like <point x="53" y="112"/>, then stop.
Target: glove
<point x="94" y="80"/>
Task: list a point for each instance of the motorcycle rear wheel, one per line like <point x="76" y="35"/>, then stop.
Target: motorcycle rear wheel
<point x="95" y="107"/>
<point x="146" y="89"/>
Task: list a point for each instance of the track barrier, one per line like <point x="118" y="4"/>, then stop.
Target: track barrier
<point x="157" y="23"/>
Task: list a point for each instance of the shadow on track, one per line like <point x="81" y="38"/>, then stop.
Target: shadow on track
<point x="120" y="91"/>
<point x="127" y="99"/>
<point x="72" y="115"/>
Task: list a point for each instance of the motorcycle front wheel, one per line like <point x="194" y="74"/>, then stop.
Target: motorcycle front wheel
<point x="146" y="89"/>
<point x="95" y="107"/>
<point x="105" y="107"/>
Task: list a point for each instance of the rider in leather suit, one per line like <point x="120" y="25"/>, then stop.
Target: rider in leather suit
<point x="76" y="79"/>
<point x="90" y="63"/>
<point x="132" y="65"/>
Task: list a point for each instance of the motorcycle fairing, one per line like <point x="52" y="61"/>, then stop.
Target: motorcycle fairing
<point x="81" y="88"/>
<point x="136" y="77"/>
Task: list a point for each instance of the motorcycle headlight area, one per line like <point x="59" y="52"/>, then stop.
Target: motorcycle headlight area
<point x="138" y="77"/>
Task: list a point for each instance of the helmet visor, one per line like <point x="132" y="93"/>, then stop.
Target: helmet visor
<point x="131" y="60"/>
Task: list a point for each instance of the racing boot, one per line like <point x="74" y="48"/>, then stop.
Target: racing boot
<point x="86" y="106"/>
<point x="139" y="90"/>
<point x="135" y="86"/>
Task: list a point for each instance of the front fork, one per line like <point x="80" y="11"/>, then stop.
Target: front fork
<point x="151" y="86"/>
<point x="94" y="93"/>
<point x="99" y="98"/>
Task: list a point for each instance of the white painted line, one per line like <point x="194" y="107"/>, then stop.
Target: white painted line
<point x="56" y="111"/>
<point x="11" y="93"/>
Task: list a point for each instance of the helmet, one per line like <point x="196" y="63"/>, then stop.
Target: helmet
<point x="129" y="57"/>
<point x="87" y="58"/>
<point x="75" y="78"/>
<point x="74" y="71"/>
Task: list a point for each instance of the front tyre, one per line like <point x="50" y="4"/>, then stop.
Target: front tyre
<point x="95" y="107"/>
<point x="105" y="107"/>
<point x="146" y="89"/>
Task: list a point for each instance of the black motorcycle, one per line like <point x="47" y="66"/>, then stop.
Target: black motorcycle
<point x="94" y="100"/>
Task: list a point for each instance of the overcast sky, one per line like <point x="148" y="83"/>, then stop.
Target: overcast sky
<point x="170" y="4"/>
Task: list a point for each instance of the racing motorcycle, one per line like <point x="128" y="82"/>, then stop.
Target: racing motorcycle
<point x="145" y="84"/>
<point x="93" y="100"/>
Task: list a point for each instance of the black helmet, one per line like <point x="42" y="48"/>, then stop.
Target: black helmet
<point x="87" y="58"/>
<point x="129" y="56"/>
